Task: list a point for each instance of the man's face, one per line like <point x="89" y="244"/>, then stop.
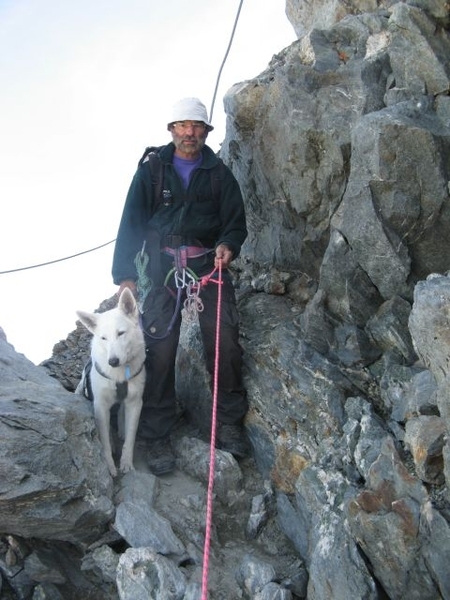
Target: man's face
<point x="189" y="138"/>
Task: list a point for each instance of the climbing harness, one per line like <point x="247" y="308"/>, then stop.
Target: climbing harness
<point x="121" y="386"/>
<point x="184" y="279"/>
<point x="212" y="455"/>
<point x="182" y="252"/>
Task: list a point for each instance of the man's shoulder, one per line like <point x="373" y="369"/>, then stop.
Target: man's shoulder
<point x="210" y="159"/>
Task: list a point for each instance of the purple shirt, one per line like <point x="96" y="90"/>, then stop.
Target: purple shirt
<point x="184" y="168"/>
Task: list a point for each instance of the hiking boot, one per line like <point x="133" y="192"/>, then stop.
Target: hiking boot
<point x="232" y="439"/>
<point x="160" y="456"/>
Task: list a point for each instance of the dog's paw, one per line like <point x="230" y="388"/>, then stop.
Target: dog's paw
<point x="126" y="467"/>
<point x="112" y="469"/>
<point x="126" y="460"/>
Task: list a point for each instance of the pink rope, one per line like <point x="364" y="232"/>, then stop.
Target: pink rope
<point x="212" y="455"/>
<point x="207" y="278"/>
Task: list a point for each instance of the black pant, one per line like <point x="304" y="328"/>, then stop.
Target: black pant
<point x="161" y="312"/>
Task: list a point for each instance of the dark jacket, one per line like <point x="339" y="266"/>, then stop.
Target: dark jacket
<point x="192" y="213"/>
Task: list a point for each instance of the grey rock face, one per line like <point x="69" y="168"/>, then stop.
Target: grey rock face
<point x="348" y="182"/>
<point x="141" y="526"/>
<point x="429" y="326"/>
<point x="143" y="574"/>
<point x="54" y="484"/>
<point x="425" y="436"/>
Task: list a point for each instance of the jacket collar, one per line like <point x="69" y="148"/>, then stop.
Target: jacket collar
<point x="209" y="157"/>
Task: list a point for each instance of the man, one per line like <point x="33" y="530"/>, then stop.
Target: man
<point x="188" y="229"/>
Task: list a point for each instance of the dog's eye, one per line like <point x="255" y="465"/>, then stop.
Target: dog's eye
<point x="119" y="333"/>
<point x="104" y="338"/>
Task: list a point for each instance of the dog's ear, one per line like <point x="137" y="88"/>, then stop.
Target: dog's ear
<point x="89" y="320"/>
<point x="127" y="302"/>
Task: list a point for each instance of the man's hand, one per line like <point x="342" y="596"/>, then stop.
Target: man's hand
<point x="224" y="253"/>
<point x="129" y="283"/>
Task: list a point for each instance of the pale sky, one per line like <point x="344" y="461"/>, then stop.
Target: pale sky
<point x="85" y="87"/>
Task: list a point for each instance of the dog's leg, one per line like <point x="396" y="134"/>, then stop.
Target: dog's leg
<point x="133" y="407"/>
<point x="102" y="412"/>
<point x="80" y="386"/>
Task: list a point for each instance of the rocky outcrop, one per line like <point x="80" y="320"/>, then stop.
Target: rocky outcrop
<point x="342" y="149"/>
<point x="52" y="475"/>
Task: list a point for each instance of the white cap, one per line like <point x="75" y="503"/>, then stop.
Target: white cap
<point x="189" y="109"/>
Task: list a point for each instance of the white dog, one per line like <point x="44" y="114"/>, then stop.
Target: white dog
<point x="116" y="373"/>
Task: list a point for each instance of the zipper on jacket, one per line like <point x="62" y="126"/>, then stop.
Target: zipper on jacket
<point x="186" y="198"/>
